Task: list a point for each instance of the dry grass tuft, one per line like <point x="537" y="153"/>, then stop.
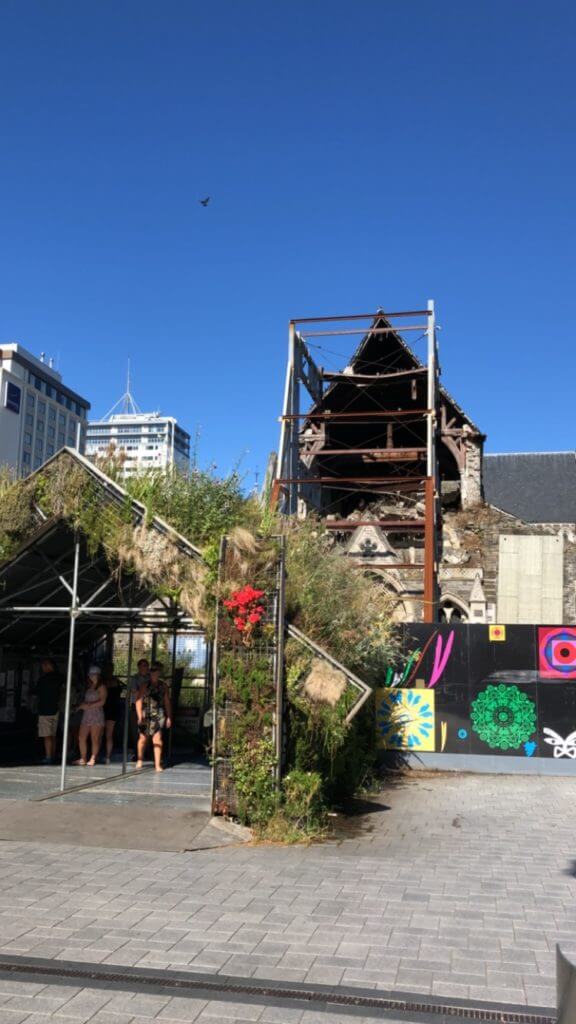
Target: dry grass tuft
<point x="324" y="684"/>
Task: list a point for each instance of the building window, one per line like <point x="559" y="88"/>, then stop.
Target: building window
<point x="52" y="414"/>
<point x="38" y="383"/>
<point x="49" y="450"/>
<point x="61" y="420"/>
<point x="29" y="419"/>
<point x="39" y="426"/>
<point x="27" y="438"/>
<point x="26" y="458"/>
<point x="51" y="433"/>
<point x="39" y="446"/>
<point x="41" y="408"/>
<point x="60" y="398"/>
<point x="12" y="399"/>
<point x="30" y="401"/>
<point x="60" y="439"/>
<point x="50" y="391"/>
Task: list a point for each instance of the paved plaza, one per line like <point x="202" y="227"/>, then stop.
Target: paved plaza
<point x="449" y="887"/>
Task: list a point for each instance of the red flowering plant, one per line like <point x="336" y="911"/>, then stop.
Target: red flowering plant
<point x="246" y="610"/>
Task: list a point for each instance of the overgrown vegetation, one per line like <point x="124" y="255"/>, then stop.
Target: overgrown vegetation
<point x="340" y="608"/>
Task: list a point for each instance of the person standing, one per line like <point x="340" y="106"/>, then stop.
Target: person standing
<point x="154" y="712"/>
<point x="112" y="707"/>
<point x="92" y="709"/>
<point x="136" y="682"/>
<point x="49" y="690"/>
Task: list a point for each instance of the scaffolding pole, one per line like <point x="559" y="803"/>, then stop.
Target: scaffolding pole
<point x="430" y="515"/>
<point x="173" y="676"/>
<point x="127" y="701"/>
<point x="70" y="667"/>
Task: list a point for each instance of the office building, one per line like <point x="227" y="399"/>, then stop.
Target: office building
<point x="38" y="413"/>
<point x="147" y="440"/>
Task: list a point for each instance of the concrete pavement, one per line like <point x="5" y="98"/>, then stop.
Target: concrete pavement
<point x="455" y="887"/>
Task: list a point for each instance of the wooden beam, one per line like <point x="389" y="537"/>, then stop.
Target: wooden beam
<point x="384" y="454"/>
<point x="375" y="378"/>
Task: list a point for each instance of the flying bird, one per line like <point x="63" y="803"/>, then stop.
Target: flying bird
<point x="204" y="202"/>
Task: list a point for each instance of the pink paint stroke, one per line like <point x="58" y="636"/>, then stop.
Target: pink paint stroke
<point x="441" y="658"/>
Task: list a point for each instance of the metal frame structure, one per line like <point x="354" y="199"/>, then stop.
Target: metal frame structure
<point x="357" y="684"/>
<point x="55" y="564"/>
<point x="150" y="616"/>
<point x="302" y="372"/>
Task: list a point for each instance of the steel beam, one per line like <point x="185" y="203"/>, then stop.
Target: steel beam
<point x="365" y="330"/>
<point x="429" y="554"/>
<point x="359" y="316"/>
<point x="360" y="416"/>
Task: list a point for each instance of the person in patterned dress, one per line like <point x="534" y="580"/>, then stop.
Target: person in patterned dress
<point x="154" y="713"/>
<point x="92" y="724"/>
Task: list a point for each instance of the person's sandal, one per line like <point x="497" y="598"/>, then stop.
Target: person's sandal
<point x="80" y="763"/>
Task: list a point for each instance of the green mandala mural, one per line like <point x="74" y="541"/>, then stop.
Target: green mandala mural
<point x="503" y="716"/>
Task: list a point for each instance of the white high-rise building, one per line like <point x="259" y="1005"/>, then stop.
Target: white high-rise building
<point x="38" y="413"/>
<point x="147" y="440"/>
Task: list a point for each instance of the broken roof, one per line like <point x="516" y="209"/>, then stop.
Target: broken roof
<point x="372" y="356"/>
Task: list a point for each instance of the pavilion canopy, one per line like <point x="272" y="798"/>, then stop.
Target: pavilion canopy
<point x="36" y="582"/>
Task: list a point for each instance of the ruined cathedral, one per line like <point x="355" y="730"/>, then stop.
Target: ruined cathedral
<point x="354" y="453"/>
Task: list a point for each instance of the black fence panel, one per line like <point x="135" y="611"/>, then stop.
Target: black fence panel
<point x="481" y="690"/>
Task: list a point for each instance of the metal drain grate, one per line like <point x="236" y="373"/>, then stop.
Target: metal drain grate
<point x="231" y="986"/>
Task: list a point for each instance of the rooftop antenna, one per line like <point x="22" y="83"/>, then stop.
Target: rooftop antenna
<point x="126" y="402"/>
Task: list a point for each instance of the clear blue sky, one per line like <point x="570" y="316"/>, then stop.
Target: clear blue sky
<point x="376" y="152"/>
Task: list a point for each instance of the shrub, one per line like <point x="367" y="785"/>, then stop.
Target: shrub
<point x="253" y="774"/>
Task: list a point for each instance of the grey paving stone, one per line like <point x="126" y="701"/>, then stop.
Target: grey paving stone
<point x="111" y="1018"/>
<point x="85" y="1004"/>
<point x="137" y="1005"/>
<point x="324" y="975"/>
<point x="281" y="1015"/>
<point x="13" y="1016"/>
<point x="450" y="988"/>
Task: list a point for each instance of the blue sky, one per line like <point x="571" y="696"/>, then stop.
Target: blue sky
<point x="360" y="154"/>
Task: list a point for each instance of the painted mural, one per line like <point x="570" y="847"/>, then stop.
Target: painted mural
<point x="481" y="689"/>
